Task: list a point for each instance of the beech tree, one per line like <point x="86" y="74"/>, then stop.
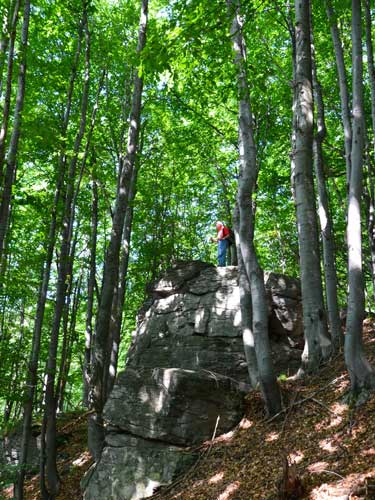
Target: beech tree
<point x="370" y="192"/>
<point x="8" y="44"/>
<point x="343" y="86"/>
<point x="317" y="343"/>
<point x="32" y="374"/>
<point x="90" y="294"/>
<point x="11" y="158"/>
<point x="111" y="268"/>
<point x="362" y="376"/>
<point x="245" y="227"/>
<point x="63" y="279"/>
<point x="324" y="211"/>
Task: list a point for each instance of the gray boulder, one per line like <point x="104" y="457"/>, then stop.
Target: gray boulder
<point x="132" y="468"/>
<point x="10" y="445"/>
<point x="192" y="320"/>
<point x="185" y="376"/>
<point x="176" y="406"/>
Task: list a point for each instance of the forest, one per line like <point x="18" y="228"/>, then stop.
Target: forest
<point x="128" y="128"/>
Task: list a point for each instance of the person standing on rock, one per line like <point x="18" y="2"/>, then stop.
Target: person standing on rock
<point x="223" y="234"/>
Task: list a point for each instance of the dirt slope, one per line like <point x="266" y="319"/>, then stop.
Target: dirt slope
<point x="329" y="446"/>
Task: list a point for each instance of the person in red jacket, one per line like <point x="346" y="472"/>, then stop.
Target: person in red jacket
<point x="222" y="243"/>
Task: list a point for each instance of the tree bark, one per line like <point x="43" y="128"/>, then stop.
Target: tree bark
<point x="343" y="87"/>
<point x="119" y="297"/>
<point x="370" y="190"/>
<point x="317" y="343"/>
<point x="362" y="376"/>
<point x="246" y="309"/>
<point x="32" y="374"/>
<point x="98" y="393"/>
<point x="16" y="131"/>
<point x="118" y="301"/>
<point x="4" y="40"/>
<point x="14" y="381"/>
<point x="325" y="216"/>
<point x="66" y="355"/>
<point x="90" y="294"/>
<point x="246" y="186"/>
<point x="50" y="492"/>
<point x="14" y="14"/>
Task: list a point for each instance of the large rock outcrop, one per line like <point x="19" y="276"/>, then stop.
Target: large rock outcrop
<point x="173" y="405"/>
<point x="192" y="319"/>
<point x="186" y="376"/>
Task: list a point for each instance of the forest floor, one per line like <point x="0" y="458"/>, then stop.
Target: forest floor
<point x="329" y="446"/>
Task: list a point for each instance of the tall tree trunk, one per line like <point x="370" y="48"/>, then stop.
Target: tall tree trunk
<point x="370" y="190"/>
<point x="246" y="186"/>
<point x="369" y="195"/>
<point x="14" y="14"/>
<point x="4" y="40"/>
<point x="119" y="297"/>
<point x="90" y="294"/>
<point x="64" y="346"/>
<point x="362" y="377"/>
<point x="246" y="309"/>
<point x="67" y="319"/>
<point x="16" y="131"/>
<point x="32" y="374"/>
<point x="98" y="393"/>
<point x="370" y="64"/>
<point x="66" y="356"/>
<point x="61" y="289"/>
<point x="317" y="343"/>
<point x="325" y="216"/>
<point x="343" y="87"/>
<point x="15" y="366"/>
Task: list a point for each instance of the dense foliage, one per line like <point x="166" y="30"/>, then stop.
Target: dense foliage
<point x="187" y="162"/>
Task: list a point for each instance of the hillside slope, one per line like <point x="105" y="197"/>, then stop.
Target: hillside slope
<point x="330" y="443"/>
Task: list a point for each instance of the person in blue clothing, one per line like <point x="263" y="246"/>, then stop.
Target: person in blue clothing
<point x="222" y="243"/>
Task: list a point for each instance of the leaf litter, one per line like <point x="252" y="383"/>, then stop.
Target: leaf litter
<point x="318" y="448"/>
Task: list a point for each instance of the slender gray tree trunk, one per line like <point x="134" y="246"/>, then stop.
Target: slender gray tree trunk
<point x="369" y="195"/>
<point x="317" y="343"/>
<point x="119" y="298"/>
<point x="370" y="190"/>
<point x="6" y="17"/>
<point x="246" y="309"/>
<point x="32" y="375"/>
<point x="92" y="267"/>
<point x="362" y="376"/>
<point x="14" y="14"/>
<point x="63" y="278"/>
<point x="120" y="287"/>
<point x="16" y="131"/>
<point x="90" y="294"/>
<point x="325" y="216"/>
<point x="246" y="186"/>
<point x="14" y="382"/>
<point x="98" y="393"/>
<point x="68" y="319"/>
<point x="343" y="86"/>
<point x="66" y="356"/>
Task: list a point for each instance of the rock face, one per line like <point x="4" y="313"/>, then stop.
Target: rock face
<point x="192" y="320"/>
<point x="173" y="405"/>
<point x="10" y="445"/>
<point x="186" y="376"/>
<point x="132" y="467"/>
